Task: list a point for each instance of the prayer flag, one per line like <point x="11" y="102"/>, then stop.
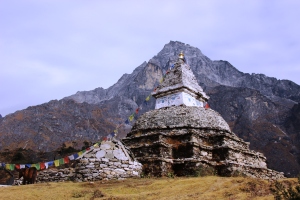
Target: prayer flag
<point x="131" y="117"/>
<point x="83" y="151"/>
<point x="33" y="165"/>
<point x="89" y="148"/>
<point x="148" y="98"/>
<point x="3" y="165"/>
<point x="79" y="153"/>
<point x="71" y="157"/>
<point x="161" y="80"/>
<point x="96" y="145"/>
<point x="137" y="110"/>
<point x="7" y="166"/>
<point x="145" y="102"/>
<point x="154" y="89"/>
<point x="66" y="159"/>
<point x="22" y="166"/>
<point x="28" y="165"/>
<point x="172" y="66"/>
<point x="17" y="166"/>
<point x="206" y="106"/>
<point x="116" y="131"/>
<point x="38" y="166"/>
<point x="43" y="166"/>
<point x="56" y="163"/>
<point x="104" y="138"/>
<point x="61" y="161"/>
<point x="76" y="155"/>
<point x="126" y="122"/>
<point x="51" y="163"/>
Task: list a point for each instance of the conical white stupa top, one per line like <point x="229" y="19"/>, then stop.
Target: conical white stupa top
<point x="179" y="87"/>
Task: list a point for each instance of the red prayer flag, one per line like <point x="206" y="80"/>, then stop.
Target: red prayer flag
<point x="17" y="166"/>
<point x="66" y="159"/>
<point x="206" y="106"/>
<point x="42" y="165"/>
<point x="137" y="110"/>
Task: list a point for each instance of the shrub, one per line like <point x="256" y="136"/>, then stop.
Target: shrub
<point x="286" y="192"/>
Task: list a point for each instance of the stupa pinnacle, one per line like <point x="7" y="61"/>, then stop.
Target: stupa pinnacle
<point x="180" y="87"/>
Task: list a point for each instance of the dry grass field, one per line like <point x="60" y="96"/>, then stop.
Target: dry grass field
<point x="210" y="187"/>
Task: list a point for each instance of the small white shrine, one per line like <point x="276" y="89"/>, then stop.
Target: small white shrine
<point x="180" y="87"/>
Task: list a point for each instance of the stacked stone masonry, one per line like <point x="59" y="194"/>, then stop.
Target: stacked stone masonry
<point x="164" y="144"/>
<point x="109" y="161"/>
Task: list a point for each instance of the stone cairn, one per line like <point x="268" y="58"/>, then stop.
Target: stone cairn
<point x="182" y="135"/>
<point x="112" y="160"/>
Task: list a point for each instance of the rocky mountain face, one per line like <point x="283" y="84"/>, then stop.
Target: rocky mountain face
<point x="262" y="110"/>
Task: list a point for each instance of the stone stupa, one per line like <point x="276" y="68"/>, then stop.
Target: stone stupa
<point x="183" y="135"/>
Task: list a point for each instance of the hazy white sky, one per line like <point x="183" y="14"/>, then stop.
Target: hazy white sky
<point x="50" y="49"/>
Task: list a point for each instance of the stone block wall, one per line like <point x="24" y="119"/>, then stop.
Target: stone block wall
<point x="111" y="160"/>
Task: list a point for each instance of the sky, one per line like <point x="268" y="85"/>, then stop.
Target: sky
<point x="51" y="49"/>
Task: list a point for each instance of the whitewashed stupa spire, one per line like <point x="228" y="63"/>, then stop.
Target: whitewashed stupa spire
<point x="179" y="87"/>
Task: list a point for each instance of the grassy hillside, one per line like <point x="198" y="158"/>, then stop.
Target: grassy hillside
<point x="210" y="187"/>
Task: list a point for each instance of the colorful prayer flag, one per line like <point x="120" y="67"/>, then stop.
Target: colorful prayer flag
<point x="206" y="106"/>
<point x="126" y="122"/>
<point x="76" y="155"/>
<point x="22" y="166"/>
<point x="18" y="166"/>
<point x="96" y="145"/>
<point x="61" y="161"/>
<point x="137" y="110"/>
<point x="148" y="98"/>
<point x="145" y="102"/>
<point x="38" y="166"/>
<point x="43" y="166"/>
<point x="71" y="157"/>
<point x="131" y="117"/>
<point x="56" y="163"/>
<point x="28" y="165"/>
<point x="116" y="131"/>
<point x="161" y="80"/>
<point x="50" y="163"/>
<point x="79" y="153"/>
<point x="66" y="159"/>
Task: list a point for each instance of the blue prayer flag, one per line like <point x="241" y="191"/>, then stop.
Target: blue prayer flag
<point x="50" y="163"/>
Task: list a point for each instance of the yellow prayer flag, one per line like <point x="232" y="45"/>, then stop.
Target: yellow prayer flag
<point x="80" y="153"/>
<point x="7" y="166"/>
<point x="116" y="131"/>
<point x="96" y="145"/>
<point x="148" y="98"/>
<point x="56" y="163"/>
<point x="161" y="80"/>
<point x="131" y="117"/>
